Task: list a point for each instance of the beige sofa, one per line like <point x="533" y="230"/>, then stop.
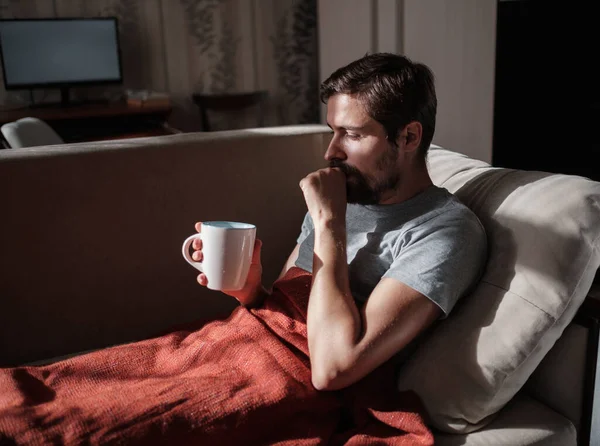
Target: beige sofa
<point x="90" y="256"/>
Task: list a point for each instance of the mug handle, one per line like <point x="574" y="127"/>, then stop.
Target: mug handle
<point x="185" y="250"/>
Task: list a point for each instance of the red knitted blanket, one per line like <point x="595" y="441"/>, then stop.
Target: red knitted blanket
<point x="244" y="380"/>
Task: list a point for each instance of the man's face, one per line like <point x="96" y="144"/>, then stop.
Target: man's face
<point x="361" y="150"/>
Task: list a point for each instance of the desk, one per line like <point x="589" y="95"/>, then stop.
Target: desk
<point x="97" y="121"/>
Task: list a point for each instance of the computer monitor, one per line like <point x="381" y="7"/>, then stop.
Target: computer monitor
<point x="60" y="53"/>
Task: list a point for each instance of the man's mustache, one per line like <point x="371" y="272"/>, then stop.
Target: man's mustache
<point x="346" y="169"/>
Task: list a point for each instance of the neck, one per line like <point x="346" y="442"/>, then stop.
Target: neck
<point x="413" y="180"/>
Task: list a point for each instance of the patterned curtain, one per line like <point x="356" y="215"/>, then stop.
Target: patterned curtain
<point x="204" y="46"/>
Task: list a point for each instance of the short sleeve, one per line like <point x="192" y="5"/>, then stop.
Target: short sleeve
<point x="442" y="260"/>
<point x="307" y="228"/>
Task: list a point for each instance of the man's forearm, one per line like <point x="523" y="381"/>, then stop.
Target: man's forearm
<point x="333" y="322"/>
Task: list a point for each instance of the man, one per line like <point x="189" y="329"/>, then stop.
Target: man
<point x="389" y="252"/>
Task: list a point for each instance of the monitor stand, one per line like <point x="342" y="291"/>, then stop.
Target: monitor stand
<point x="65" y="97"/>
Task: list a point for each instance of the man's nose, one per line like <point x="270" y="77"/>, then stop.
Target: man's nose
<point x="334" y="151"/>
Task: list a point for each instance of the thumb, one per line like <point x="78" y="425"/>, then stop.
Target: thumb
<point x="257" y="251"/>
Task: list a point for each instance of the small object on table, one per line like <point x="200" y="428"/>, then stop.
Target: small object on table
<point x="145" y="98"/>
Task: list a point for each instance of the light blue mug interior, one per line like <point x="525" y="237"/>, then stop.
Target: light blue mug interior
<point x="228" y="224"/>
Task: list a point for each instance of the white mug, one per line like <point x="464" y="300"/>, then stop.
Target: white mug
<point x="227" y="248"/>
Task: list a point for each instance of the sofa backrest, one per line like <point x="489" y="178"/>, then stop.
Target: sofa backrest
<point x="91" y="234"/>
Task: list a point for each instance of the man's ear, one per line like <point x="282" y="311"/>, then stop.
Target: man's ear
<point x="411" y="134"/>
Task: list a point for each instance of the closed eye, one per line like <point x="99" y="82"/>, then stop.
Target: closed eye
<point x="353" y="136"/>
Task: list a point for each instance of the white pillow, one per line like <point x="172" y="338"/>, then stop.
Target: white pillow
<point x="544" y="250"/>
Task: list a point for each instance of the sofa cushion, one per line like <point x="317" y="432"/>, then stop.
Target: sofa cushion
<point x="543" y="232"/>
<point x="524" y="421"/>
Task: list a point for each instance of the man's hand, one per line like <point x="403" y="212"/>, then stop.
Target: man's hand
<point x="253" y="289"/>
<point x="325" y="195"/>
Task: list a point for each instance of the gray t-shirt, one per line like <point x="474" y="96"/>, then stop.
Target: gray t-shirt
<point x="431" y="242"/>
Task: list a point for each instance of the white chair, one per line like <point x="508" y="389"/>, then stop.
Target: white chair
<point x="29" y="132"/>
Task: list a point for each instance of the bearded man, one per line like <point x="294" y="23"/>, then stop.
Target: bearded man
<point x="390" y="253"/>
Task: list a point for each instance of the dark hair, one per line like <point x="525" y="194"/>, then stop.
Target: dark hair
<point x="394" y="90"/>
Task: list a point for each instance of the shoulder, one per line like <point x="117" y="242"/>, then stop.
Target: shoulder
<point x="449" y="223"/>
<point x="446" y="210"/>
<point x="461" y="219"/>
<point x="443" y="253"/>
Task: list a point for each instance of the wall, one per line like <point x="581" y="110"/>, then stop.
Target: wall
<point x="348" y="29"/>
<point x="455" y="38"/>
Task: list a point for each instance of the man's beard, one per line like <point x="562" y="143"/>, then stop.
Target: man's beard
<point x="365" y="189"/>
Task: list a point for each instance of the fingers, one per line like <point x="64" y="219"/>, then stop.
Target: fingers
<point x="197" y="247"/>
<point x="202" y="280"/>
<point x="303" y="183"/>
<point x="197" y="254"/>
<point x="197" y="244"/>
<point x="314" y="178"/>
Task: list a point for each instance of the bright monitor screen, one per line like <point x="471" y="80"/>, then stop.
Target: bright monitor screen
<point x="47" y="52"/>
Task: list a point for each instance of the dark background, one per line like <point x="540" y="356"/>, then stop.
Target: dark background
<point x="546" y="104"/>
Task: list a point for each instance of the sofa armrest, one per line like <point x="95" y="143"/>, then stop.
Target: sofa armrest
<point x="568" y="379"/>
<point x="591" y="304"/>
